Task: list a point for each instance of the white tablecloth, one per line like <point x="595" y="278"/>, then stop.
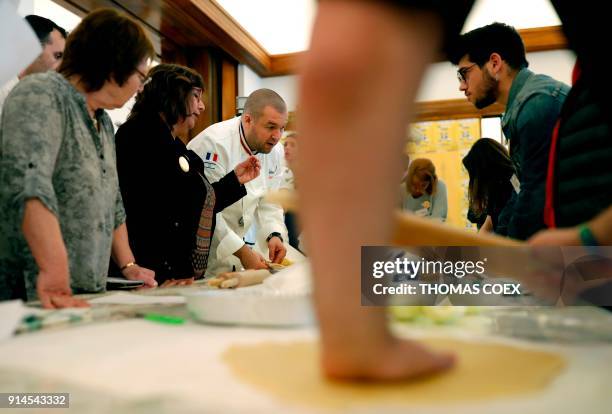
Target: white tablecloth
<point x="137" y="366"/>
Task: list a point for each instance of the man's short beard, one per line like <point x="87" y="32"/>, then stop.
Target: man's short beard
<point x="256" y="146"/>
<point x="490" y="94"/>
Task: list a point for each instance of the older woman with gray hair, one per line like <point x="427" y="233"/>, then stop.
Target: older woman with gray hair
<point x="62" y="213"/>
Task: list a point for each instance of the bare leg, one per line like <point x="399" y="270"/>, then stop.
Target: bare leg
<point x="358" y="86"/>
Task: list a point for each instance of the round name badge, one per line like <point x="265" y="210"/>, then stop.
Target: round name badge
<point x="184" y="164"/>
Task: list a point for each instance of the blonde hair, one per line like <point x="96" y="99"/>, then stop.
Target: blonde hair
<point x="424" y="170"/>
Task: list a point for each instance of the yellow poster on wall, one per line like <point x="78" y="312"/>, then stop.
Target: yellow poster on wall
<point x="445" y="143"/>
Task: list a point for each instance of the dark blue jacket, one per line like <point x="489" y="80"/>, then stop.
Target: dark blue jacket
<point x="533" y="106"/>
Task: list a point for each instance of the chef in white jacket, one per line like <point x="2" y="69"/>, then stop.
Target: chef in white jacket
<point x="224" y="145"/>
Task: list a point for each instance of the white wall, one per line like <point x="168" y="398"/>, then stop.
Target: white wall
<point x="25" y="7"/>
<point x="285" y="86"/>
<point x="248" y="81"/>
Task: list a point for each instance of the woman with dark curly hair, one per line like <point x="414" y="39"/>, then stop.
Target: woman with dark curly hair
<point x="170" y="204"/>
<point x="492" y="183"/>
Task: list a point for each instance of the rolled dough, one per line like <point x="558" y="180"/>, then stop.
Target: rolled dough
<point x="484" y="371"/>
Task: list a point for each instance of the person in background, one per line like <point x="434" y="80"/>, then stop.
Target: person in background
<point x="59" y="192"/>
<point x="423" y="193"/>
<point x="52" y="39"/>
<point x="288" y="183"/>
<point x="224" y="145"/>
<point x="492" y="68"/>
<point x="170" y="205"/>
<point x="492" y="182"/>
<point x="291" y="150"/>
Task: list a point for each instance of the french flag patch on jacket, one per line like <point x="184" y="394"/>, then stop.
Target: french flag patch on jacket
<point x="211" y="156"/>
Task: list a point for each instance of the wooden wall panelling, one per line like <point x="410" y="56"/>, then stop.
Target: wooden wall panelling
<point x="228" y="35"/>
<point x="182" y="33"/>
<point x="286" y="64"/>
<point x="436" y="111"/>
<point x="453" y="109"/>
<point x="82" y="7"/>
<point x="229" y="88"/>
<point x="539" y="39"/>
<point x="171" y="53"/>
<point x="203" y="61"/>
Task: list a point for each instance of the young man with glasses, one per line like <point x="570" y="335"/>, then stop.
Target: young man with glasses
<point x="493" y="69"/>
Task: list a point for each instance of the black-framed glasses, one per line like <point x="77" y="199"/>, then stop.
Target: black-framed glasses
<point x="143" y="77"/>
<point x="462" y="72"/>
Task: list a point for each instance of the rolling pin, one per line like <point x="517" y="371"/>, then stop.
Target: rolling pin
<point x="231" y="280"/>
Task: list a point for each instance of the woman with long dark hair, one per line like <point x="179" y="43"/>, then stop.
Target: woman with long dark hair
<point x="492" y="182"/>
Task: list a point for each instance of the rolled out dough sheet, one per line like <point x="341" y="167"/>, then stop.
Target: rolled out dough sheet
<point x="483" y="372"/>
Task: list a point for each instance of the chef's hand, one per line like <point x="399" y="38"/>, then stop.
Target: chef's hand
<point x="247" y="170"/>
<point x="231" y="280"/>
<point x="250" y="259"/>
<point x="137" y="272"/>
<point x="227" y="280"/>
<point x="276" y="249"/>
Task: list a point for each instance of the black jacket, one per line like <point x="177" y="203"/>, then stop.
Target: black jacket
<point x="583" y="173"/>
<point x="162" y="202"/>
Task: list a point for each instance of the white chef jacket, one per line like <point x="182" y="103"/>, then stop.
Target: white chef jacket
<point x="221" y="149"/>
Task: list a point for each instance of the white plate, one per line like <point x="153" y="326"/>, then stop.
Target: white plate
<point x="250" y="306"/>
